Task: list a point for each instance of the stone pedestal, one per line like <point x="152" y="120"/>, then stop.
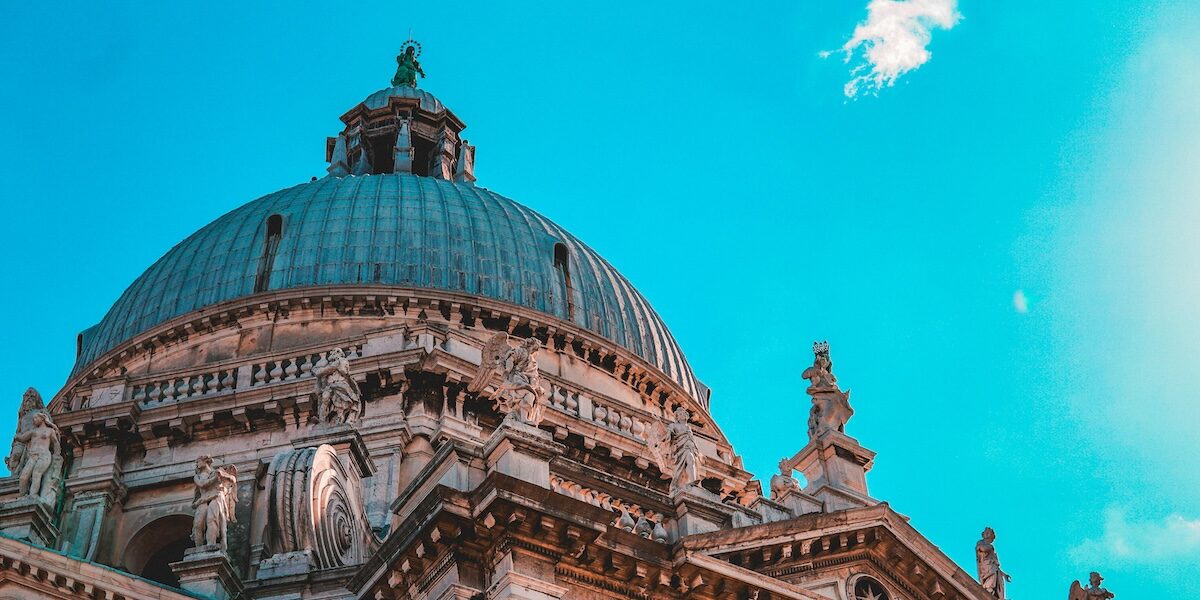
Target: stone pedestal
<point x="206" y="572"/>
<point x="522" y="451"/>
<point x="835" y="466"/>
<point x="698" y="510"/>
<point x="798" y="502"/>
<point x="287" y="564"/>
<point x="27" y="518"/>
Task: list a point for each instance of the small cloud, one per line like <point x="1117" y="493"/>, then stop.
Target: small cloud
<point x="1020" y="302"/>
<point x="1140" y="543"/>
<point x="893" y="41"/>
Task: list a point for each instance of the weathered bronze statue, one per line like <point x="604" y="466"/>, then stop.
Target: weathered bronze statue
<point x="407" y="66"/>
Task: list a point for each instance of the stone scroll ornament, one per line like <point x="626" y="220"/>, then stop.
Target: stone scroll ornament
<point x="215" y="499"/>
<point x="990" y="576"/>
<point x="674" y="447"/>
<point x="830" y="405"/>
<point x="1092" y="592"/>
<point x="315" y="507"/>
<point x="339" y="400"/>
<point x="520" y="393"/>
<point x="36" y="458"/>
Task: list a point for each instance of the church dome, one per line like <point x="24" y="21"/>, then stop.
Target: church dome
<point x="393" y="229"/>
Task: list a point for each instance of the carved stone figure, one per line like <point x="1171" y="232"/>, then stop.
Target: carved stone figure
<point x="520" y="393"/>
<point x="214" y="500"/>
<point x="36" y="477"/>
<point x="338" y="398"/>
<point x="407" y="67"/>
<point x="783" y="482"/>
<point x="990" y="576"/>
<point x="1092" y="592"/>
<point x="685" y="454"/>
<point x="35" y="458"/>
<point x="830" y="405"/>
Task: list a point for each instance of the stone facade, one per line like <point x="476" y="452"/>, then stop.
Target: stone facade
<point x="387" y="442"/>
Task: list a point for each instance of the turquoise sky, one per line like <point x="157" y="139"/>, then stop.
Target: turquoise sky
<point x="1046" y="157"/>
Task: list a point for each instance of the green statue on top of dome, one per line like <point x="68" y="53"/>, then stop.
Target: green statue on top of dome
<point x="407" y="67"/>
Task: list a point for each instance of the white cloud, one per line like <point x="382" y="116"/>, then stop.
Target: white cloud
<point x="893" y="41"/>
<point x="1020" y="302"/>
<point x="1140" y="543"/>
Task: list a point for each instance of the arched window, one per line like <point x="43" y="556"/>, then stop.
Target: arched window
<point x="562" y="264"/>
<point x="262" y="279"/>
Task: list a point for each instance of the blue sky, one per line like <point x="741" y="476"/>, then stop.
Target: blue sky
<point x="709" y="152"/>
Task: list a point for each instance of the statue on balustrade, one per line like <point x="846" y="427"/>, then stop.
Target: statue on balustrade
<point x="1092" y="592"/>
<point x="830" y="405"/>
<point x="214" y="500"/>
<point x="339" y="399"/>
<point x="990" y="576"/>
<point x="783" y="482"/>
<point x="36" y="459"/>
<point x="685" y="454"/>
<point x="520" y="393"/>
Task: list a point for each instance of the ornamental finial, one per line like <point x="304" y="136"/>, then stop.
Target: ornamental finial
<point x="407" y="67"/>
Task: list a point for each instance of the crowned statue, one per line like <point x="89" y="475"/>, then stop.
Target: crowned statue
<point x="407" y="66"/>
<point x="36" y="459"/>
<point x="830" y="405"/>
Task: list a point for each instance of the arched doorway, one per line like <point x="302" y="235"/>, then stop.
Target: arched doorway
<point x="161" y="542"/>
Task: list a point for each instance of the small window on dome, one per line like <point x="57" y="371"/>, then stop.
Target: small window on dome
<point x="562" y="263"/>
<point x="262" y="279"/>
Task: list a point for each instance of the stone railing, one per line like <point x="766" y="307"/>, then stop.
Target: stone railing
<point x="294" y="367"/>
<point x="185" y="387"/>
<point x="602" y="414"/>
<point x="630" y="517"/>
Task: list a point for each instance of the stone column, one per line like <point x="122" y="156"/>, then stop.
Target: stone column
<point x="87" y="519"/>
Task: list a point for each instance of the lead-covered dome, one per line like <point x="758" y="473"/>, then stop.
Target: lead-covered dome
<point x="400" y="230"/>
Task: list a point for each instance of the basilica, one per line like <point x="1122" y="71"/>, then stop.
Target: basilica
<point x="391" y="383"/>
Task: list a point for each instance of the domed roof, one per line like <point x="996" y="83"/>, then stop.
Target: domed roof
<point x="428" y="101"/>
<point x="393" y="229"/>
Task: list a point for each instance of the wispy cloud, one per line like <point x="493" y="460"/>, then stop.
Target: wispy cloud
<point x="1020" y="302"/>
<point x="893" y="41"/>
<point x="1139" y="543"/>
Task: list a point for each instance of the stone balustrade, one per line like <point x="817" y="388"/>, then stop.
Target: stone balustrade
<point x="630" y="517"/>
<point x="184" y="387"/>
<point x="605" y="415"/>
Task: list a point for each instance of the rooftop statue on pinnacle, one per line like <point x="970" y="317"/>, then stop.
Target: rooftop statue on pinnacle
<point x="407" y="66"/>
<point x="1092" y="592"/>
<point x="990" y="576"/>
<point x="830" y="405"/>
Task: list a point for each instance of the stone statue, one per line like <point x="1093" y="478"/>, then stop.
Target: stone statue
<point x="35" y="458"/>
<point x="214" y="500"/>
<point x="520" y="393"/>
<point x="1092" y="592"/>
<point x="990" y="576"/>
<point x="685" y="454"/>
<point x="407" y="67"/>
<point x="830" y="405"/>
<point x="338" y="397"/>
<point x="783" y="482"/>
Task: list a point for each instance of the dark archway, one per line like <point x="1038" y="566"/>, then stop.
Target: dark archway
<point x="153" y="548"/>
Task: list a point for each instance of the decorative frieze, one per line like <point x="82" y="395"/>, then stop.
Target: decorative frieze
<point x="630" y="517"/>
